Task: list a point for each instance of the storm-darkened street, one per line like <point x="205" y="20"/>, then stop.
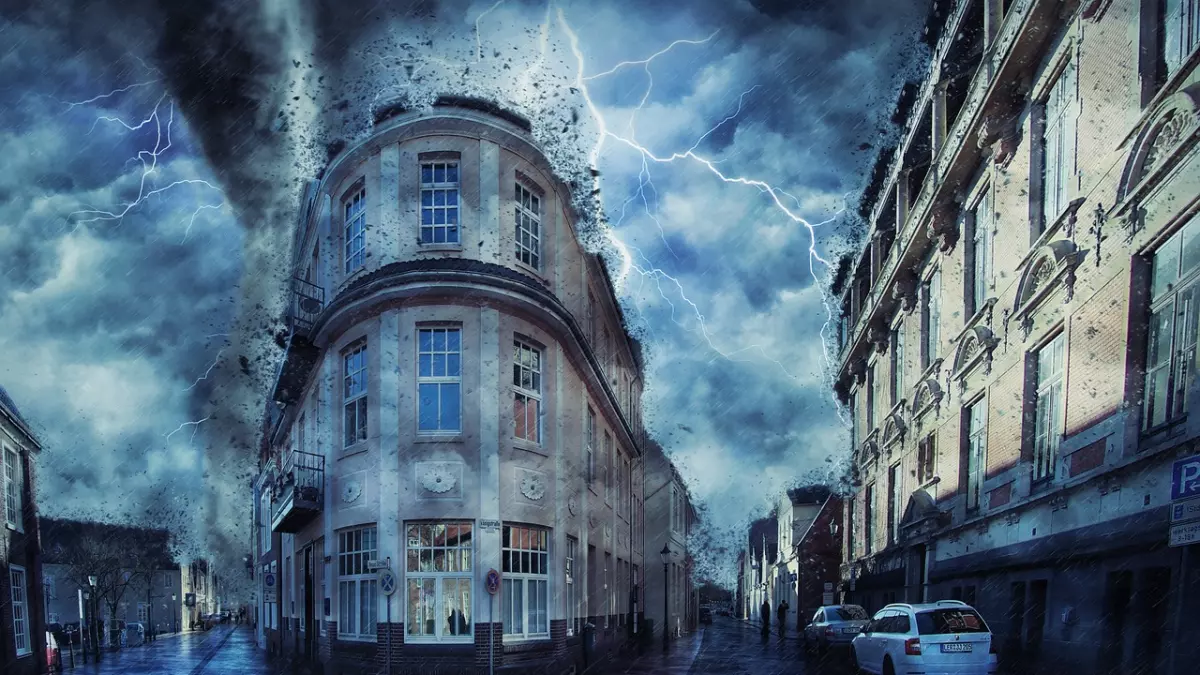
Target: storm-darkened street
<point x="223" y="649"/>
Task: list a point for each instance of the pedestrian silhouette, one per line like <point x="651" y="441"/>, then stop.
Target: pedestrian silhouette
<point x="765" y="612"/>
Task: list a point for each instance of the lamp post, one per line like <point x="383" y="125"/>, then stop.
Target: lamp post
<point x="665" y="554"/>
<point x="94" y="610"/>
<point x="174" y="599"/>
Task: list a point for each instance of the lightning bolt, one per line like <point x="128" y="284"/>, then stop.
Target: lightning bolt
<point x="195" y="427"/>
<point x="777" y="195"/>
<point x="208" y="372"/>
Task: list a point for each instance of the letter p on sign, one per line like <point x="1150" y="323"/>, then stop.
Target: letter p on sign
<point x="1185" y="478"/>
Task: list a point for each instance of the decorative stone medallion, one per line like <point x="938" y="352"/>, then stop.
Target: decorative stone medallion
<point x="573" y="506"/>
<point x="438" y="479"/>
<point x="533" y="487"/>
<point x="351" y="491"/>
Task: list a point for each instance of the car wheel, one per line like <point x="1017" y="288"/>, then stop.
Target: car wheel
<point x="855" y="667"/>
<point x="888" y="668"/>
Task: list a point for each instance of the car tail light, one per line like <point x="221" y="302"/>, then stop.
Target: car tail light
<point x="992" y="647"/>
<point x="912" y="646"/>
<point x="828" y="632"/>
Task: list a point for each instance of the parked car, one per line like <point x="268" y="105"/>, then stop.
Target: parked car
<point x="947" y="636"/>
<point x="135" y="635"/>
<point x="834" y="625"/>
<point x="705" y="615"/>
<point x="53" y="656"/>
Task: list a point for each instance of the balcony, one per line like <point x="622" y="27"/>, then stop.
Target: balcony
<point x="306" y="301"/>
<point x="299" y="491"/>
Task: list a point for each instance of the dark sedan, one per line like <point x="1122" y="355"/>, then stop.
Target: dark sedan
<point x="834" y="625"/>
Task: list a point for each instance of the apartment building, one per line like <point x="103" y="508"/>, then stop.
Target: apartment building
<point x="458" y="396"/>
<point x="670" y="519"/>
<point x="1018" y="336"/>
<point x="22" y="603"/>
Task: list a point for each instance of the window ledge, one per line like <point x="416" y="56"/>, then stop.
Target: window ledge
<point x="356" y="449"/>
<point x="352" y="638"/>
<point x="538" y="274"/>
<point x="438" y="438"/>
<point x="440" y="248"/>
<point x="530" y="446"/>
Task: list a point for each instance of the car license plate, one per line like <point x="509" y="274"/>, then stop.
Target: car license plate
<point x="849" y="630"/>
<point x="956" y="646"/>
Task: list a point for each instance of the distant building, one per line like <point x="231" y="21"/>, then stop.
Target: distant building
<point x="22" y="606"/>
<point x="670" y="519"/>
<point x="795" y="516"/>
<point x="458" y="394"/>
<point x="1018" y="334"/>
<point x="762" y="552"/>
<point x="137" y="579"/>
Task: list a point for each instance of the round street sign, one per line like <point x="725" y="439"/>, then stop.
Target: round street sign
<point x="493" y="581"/>
<point x="387" y="581"/>
<point x="269" y="579"/>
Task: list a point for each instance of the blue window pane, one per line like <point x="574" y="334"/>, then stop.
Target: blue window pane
<point x="453" y="340"/>
<point x="451" y="410"/>
<point x="439" y="365"/>
<point x="452" y="216"/>
<point x="427" y="408"/>
<point x="426" y="216"/>
<point x="426" y="235"/>
<point x="439" y="236"/>
<point x="452" y="173"/>
<point x="439" y="198"/>
<point x="425" y="367"/>
<point x="452" y="197"/>
<point x="439" y="173"/>
<point x="453" y="365"/>
<point x="439" y="217"/>
<point x="426" y="173"/>
<point x="426" y="197"/>
<point x="452" y="234"/>
<point x="439" y="340"/>
<point x="426" y="340"/>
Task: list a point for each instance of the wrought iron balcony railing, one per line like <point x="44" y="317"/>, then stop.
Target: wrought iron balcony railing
<point x="299" y="491"/>
<point x="307" y="301"/>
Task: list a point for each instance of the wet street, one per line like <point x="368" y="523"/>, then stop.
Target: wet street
<point x="224" y="649"/>
<point x="735" y="647"/>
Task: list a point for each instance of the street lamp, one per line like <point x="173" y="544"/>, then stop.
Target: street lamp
<point x="665" y="554"/>
<point x="174" y="598"/>
<point x="94" y="611"/>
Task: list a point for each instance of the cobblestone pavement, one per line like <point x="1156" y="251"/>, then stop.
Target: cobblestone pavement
<point x="224" y="649"/>
<point x="735" y="647"/>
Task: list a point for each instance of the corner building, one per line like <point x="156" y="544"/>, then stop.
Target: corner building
<point x="1019" y="334"/>
<point x="458" y="395"/>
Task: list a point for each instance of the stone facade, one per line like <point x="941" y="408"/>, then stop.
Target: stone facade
<point x="458" y="394"/>
<point x="1015" y="426"/>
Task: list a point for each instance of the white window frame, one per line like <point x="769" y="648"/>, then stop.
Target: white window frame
<point x="520" y="562"/>
<point x="264" y="508"/>
<point x="527" y="390"/>
<point x="931" y="316"/>
<point x="607" y="466"/>
<point x="572" y="594"/>
<point x="590" y="447"/>
<point x="19" y="587"/>
<point x="926" y="458"/>
<point x="354" y="230"/>
<point x="897" y="362"/>
<point x="1180" y="33"/>
<point x="450" y="376"/>
<point x="14" y="486"/>
<point x="982" y="225"/>
<point x="355" y="362"/>
<point x="356" y="546"/>
<point x="528" y="227"/>
<point x="1058" y="142"/>
<point x="1171" y="333"/>
<point x="1048" y="399"/>
<point x="415" y="551"/>
<point x="448" y="191"/>
<point x="976" y="464"/>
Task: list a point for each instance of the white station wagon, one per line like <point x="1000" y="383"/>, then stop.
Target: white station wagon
<point x="941" y="638"/>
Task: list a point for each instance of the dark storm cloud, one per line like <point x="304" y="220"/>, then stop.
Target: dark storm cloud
<point x="265" y="87"/>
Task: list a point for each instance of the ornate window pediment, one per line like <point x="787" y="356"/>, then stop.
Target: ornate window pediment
<point x="944" y="225"/>
<point x="926" y="396"/>
<point x="868" y="450"/>
<point x="1169" y="130"/>
<point x="905" y="290"/>
<point x="894" y="426"/>
<point x="1053" y="265"/>
<point x="974" y="347"/>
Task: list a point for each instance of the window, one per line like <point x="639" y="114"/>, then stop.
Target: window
<point x="625" y="486"/>
<point x="439" y="380"/>
<point x="529" y="227"/>
<point x="438" y="574"/>
<point x="264" y="520"/>
<point x="897" y="357"/>
<point x="300" y="433"/>
<point x="439" y="202"/>
<point x="1181" y="32"/>
<point x="1048" y="405"/>
<point x="591" y="317"/>
<point x="871" y="396"/>
<point x="525" y="560"/>
<point x="608" y="467"/>
<point x="14" y="484"/>
<point x="930" y="317"/>
<point x="980" y="252"/>
<point x="356" y="584"/>
<point x="356" y="225"/>
<point x="619" y="468"/>
<point x="850" y="523"/>
<point x="609" y="590"/>
<point x="869" y="519"/>
<point x="589" y="445"/>
<point x="604" y="351"/>
<point x="20" y="609"/>
<point x="572" y="590"/>
<point x="527" y="392"/>
<point x="854" y="422"/>
<point x="141" y="612"/>
<point x="674" y="509"/>
<point x="1171" y="342"/>
<point x="894" y="503"/>
<point x="354" y="393"/>
<point x="976" y="451"/>
<point x="1058" y="145"/>
<point x="926" y="459"/>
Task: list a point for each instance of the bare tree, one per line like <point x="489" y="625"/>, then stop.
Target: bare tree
<point x="109" y="560"/>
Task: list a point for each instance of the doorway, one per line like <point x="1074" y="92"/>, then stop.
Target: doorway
<point x="308" y="619"/>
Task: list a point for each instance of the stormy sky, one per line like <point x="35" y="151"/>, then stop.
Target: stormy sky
<point x="152" y="161"/>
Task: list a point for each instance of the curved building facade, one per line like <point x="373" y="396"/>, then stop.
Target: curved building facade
<point x="458" y="396"/>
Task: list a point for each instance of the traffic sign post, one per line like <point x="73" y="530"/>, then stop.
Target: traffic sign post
<point x="386" y="579"/>
<point x="492" y="582"/>
<point x="1185" y="502"/>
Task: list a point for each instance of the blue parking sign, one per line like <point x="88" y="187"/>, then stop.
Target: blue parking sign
<point x="1185" y="478"/>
